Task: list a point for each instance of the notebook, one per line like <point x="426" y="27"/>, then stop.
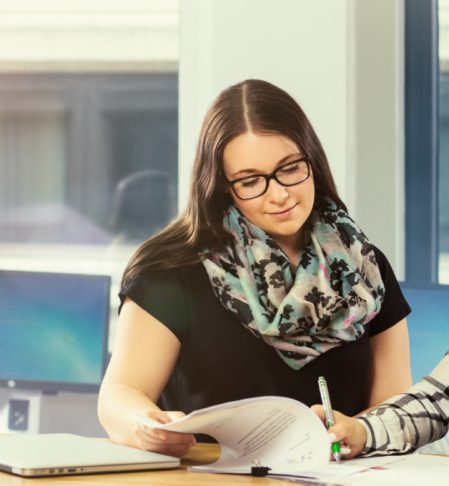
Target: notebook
<point x="66" y="454"/>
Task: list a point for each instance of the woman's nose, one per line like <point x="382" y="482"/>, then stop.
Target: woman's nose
<point x="277" y="192"/>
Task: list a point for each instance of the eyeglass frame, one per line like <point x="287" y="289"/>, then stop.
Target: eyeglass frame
<point x="268" y="177"/>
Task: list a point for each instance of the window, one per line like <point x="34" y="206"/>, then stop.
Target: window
<point x="88" y="132"/>
<point x="443" y="139"/>
<point x="427" y="147"/>
<point x="87" y="158"/>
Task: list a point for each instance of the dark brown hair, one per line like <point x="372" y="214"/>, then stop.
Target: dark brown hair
<point x="252" y="105"/>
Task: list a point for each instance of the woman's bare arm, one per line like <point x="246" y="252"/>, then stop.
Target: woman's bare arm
<point x="144" y="355"/>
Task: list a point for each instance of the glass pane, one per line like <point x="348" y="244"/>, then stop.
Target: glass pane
<point x="443" y="140"/>
<point x="32" y="164"/>
<point x="89" y="168"/>
<point x="93" y="162"/>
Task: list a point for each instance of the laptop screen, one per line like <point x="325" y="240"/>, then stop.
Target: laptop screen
<point x="428" y="326"/>
<point x="53" y="330"/>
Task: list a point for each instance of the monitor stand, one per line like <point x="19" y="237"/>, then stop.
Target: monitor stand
<point x="20" y="411"/>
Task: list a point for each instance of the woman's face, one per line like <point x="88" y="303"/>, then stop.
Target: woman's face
<point x="281" y="211"/>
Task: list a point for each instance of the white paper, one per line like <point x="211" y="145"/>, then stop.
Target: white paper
<point x="286" y="436"/>
<point x="412" y="470"/>
<point x="277" y="432"/>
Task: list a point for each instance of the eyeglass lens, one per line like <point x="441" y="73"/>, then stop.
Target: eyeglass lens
<point x="287" y="175"/>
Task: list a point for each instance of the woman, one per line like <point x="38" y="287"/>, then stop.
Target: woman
<point x="402" y="423"/>
<point x="263" y="284"/>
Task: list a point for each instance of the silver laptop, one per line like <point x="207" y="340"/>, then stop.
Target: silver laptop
<point x="67" y="454"/>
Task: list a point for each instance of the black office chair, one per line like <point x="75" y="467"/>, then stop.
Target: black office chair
<point x="141" y="206"/>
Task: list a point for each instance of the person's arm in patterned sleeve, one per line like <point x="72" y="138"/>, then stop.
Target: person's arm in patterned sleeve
<point x="402" y="423"/>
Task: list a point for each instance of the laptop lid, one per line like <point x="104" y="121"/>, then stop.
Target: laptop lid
<point x="67" y="454"/>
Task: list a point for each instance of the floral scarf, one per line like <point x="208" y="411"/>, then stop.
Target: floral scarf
<point x="336" y="291"/>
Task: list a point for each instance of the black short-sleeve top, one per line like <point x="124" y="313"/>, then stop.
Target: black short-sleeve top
<point x="220" y="360"/>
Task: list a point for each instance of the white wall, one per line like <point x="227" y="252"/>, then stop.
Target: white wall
<point x="379" y="125"/>
<point x="298" y="44"/>
<point x="320" y="52"/>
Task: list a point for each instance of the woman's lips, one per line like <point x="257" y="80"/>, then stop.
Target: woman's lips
<point x="286" y="214"/>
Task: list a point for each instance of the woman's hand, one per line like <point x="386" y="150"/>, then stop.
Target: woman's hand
<point x="163" y="441"/>
<point x="347" y="430"/>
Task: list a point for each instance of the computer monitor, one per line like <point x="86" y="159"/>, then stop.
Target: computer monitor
<point x="53" y="330"/>
<point x="428" y="326"/>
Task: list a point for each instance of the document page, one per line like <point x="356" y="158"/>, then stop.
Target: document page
<point x="276" y="432"/>
<point x="286" y="436"/>
<point x="333" y="472"/>
<point x="412" y="470"/>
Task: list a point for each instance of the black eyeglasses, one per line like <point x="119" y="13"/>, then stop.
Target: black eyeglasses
<point x="289" y="174"/>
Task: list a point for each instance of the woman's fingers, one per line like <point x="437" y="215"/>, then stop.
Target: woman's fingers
<point x="343" y="428"/>
<point x="163" y="441"/>
<point x="165" y="436"/>
<point x="163" y="417"/>
<point x="176" y="415"/>
<point x="319" y="410"/>
<point x="347" y="430"/>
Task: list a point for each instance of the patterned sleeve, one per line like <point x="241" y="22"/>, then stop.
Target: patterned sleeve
<point x="410" y="420"/>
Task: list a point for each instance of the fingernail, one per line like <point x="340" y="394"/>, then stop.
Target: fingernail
<point x="345" y="450"/>
<point x="332" y="437"/>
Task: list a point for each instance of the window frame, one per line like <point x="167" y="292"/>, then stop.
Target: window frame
<point x="421" y="141"/>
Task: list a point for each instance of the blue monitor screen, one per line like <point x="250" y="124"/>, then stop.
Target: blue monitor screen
<point x="53" y="330"/>
<point x="428" y="326"/>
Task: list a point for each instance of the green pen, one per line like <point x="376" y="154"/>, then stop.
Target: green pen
<point x="329" y="415"/>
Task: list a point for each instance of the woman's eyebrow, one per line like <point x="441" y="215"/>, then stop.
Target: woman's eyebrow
<point x="257" y="171"/>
